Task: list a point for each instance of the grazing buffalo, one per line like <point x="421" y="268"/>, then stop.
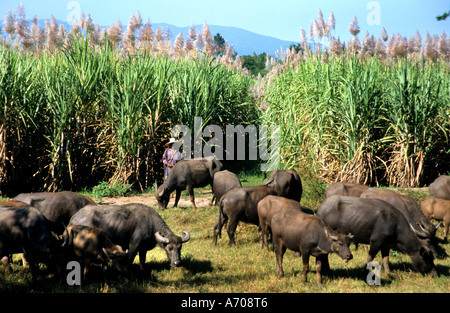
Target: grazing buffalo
<point x="267" y="208"/>
<point x="379" y="224"/>
<point x="222" y="182"/>
<point x="25" y="230"/>
<point x="57" y="207"/>
<point x="408" y="207"/>
<point x="345" y="189"/>
<point x="187" y="174"/>
<point x="135" y="227"/>
<point x="440" y="188"/>
<point x="92" y="245"/>
<point x="308" y="235"/>
<point x="239" y="204"/>
<point x="286" y="183"/>
<point x="438" y="209"/>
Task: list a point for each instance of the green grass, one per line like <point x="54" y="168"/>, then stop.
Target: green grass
<point x="244" y="268"/>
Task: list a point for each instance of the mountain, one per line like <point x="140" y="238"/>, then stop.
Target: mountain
<point x="244" y="41"/>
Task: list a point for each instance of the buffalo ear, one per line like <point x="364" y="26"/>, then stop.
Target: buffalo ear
<point x="350" y="235"/>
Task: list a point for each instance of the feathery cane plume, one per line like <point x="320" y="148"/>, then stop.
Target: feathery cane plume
<point x="179" y="43"/>
<point x="384" y="35"/>
<point x="10" y="24"/>
<point x="353" y="28"/>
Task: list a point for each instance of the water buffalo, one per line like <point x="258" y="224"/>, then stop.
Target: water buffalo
<point x="187" y="174"/>
<point x="379" y="224"/>
<point x="286" y="183"/>
<point x="408" y="207"/>
<point x="438" y="209"/>
<point x="135" y="227"/>
<point x="222" y="182"/>
<point x="57" y="207"/>
<point x="345" y="189"/>
<point x="308" y="235"/>
<point x="92" y="245"/>
<point x="25" y="230"/>
<point x="239" y="204"/>
<point x="267" y="208"/>
<point x="440" y="188"/>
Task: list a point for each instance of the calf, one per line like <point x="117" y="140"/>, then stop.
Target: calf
<point x="308" y="235"/>
<point x="438" y="209"/>
<point x="267" y="208"/>
<point x="92" y="245"/>
<point x="239" y="204"/>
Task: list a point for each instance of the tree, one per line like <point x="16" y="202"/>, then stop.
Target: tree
<point x="443" y="16"/>
<point x="256" y="64"/>
<point x="219" y="41"/>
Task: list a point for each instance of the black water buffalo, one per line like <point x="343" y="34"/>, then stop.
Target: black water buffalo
<point x="135" y="227"/>
<point x="379" y="224"/>
<point x="308" y="235"/>
<point x="422" y="227"/>
<point x="92" y="245"/>
<point x="286" y="183"/>
<point x="25" y="230"/>
<point x="267" y="208"/>
<point x="345" y="189"/>
<point x="239" y="204"/>
<point x="187" y="174"/>
<point x="57" y="207"/>
<point x="440" y="188"/>
<point x="222" y="182"/>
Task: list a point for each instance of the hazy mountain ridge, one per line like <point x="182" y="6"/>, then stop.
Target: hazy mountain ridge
<point x="245" y="42"/>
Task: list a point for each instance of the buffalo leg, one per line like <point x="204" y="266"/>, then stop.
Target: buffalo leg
<point x="385" y="255"/>
<point x="279" y="252"/>
<point x="232" y="229"/>
<point x="446" y="226"/>
<point x="191" y="195"/>
<point x="142" y="257"/>
<point x="319" y="270"/>
<point x="177" y="197"/>
<point x="305" y="259"/>
<point x="218" y="228"/>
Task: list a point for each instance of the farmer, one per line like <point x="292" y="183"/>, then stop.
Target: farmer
<point x="170" y="157"/>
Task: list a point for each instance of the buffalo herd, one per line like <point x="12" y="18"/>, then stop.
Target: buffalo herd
<point x="53" y="228"/>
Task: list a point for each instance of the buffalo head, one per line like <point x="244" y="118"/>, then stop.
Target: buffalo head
<point x="172" y="245"/>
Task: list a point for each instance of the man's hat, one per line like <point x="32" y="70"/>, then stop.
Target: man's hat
<point x="171" y="141"/>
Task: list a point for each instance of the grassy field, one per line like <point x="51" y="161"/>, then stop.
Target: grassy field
<point x="242" y="269"/>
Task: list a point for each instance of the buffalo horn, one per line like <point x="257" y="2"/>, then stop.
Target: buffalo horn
<point x="332" y="237"/>
<point x="438" y="225"/>
<point x="161" y="193"/>
<point x="420" y="234"/>
<point x="66" y="238"/>
<point x="185" y="236"/>
<point x="160" y="238"/>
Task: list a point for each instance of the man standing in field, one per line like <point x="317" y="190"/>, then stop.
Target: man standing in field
<point x="170" y="157"/>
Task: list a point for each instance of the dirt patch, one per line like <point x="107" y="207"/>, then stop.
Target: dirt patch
<point x="201" y="200"/>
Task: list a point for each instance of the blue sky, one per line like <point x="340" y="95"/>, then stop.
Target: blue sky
<point x="281" y="18"/>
